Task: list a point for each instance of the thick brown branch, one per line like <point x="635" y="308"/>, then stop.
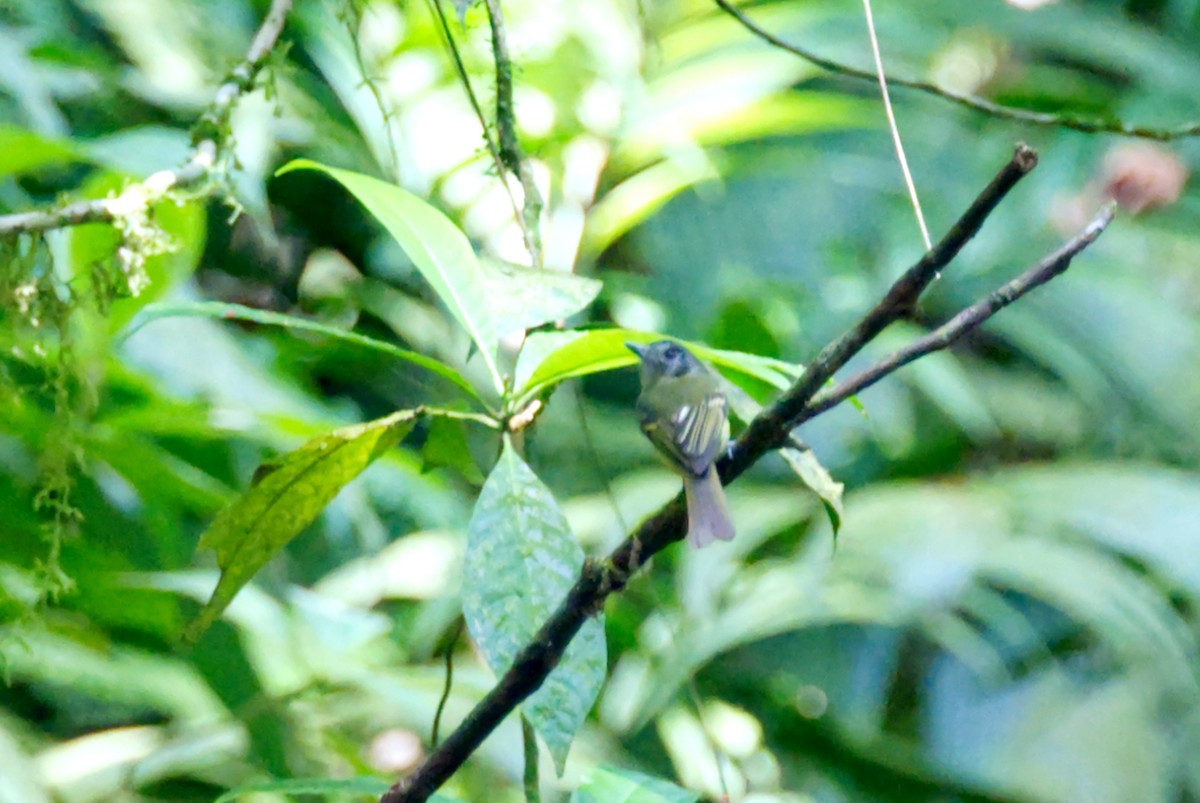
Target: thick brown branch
<point x="969" y="101"/>
<point x="241" y="80"/>
<point x="597" y="581"/>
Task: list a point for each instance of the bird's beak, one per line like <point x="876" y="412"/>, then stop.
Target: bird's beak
<point x="637" y="348"/>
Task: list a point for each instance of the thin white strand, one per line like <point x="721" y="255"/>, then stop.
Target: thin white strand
<point x="891" y="116"/>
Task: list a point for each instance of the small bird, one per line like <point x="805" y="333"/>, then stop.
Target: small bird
<point x="684" y="414"/>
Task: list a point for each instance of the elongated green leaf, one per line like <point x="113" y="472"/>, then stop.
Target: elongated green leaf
<point x="611" y="785"/>
<point x="810" y="471"/>
<point x="236" y="312"/>
<point x="527" y="297"/>
<point x="552" y="357"/>
<point x="435" y="245"/>
<point x="521" y="560"/>
<point x="287" y="494"/>
<point x="799" y="458"/>
<point x="325" y="787"/>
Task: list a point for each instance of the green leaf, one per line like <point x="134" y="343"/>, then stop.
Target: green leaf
<point x="800" y="459"/>
<point x="236" y="312"/>
<point x="611" y="785"/>
<point x="521" y="560"/>
<point x="446" y="446"/>
<point x="435" y="245"/>
<point x="810" y="471"/>
<point x="286" y="495"/>
<point x="325" y="787"/>
<point x="523" y="297"/>
<point x="552" y="357"/>
<point x="22" y="151"/>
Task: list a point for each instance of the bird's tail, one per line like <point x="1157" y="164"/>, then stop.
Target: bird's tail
<point x="708" y="518"/>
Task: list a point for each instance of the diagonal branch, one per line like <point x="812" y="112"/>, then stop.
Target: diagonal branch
<point x="204" y="154"/>
<point x="769" y="430"/>
<point x="1093" y="126"/>
<point x="970" y="318"/>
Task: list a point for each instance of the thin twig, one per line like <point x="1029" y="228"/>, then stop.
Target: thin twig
<point x="465" y="80"/>
<point x="718" y="754"/>
<point x="965" y="321"/>
<point x="511" y="153"/>
<point x="895" y="129"/>
<point x="1092" y="126"/>
<point x="196" y="170"/>
<point x="448" y="657"/>
<point x="354" y="17"/>
<point x="771" y="428"/>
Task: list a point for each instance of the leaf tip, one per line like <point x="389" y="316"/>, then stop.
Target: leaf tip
<point x="298" y="164"/>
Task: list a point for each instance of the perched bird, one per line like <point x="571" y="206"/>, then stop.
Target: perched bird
<point x="684" y="413"/>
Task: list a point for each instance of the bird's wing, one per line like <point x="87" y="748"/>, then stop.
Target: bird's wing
<point x="694" y="434"/>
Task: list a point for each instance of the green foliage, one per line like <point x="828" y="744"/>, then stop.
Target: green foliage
<point x="238" y="312"/>
<point x="525" y="298"/>
<point x="1009" y="614"/>
<point x="438" y="249"/>
<point x="613" y="785"/>
<point x="286" y="495"/>
<point x="818" y="478"/>
<point x="521" y="561"/>
<point x="553" y="357"/>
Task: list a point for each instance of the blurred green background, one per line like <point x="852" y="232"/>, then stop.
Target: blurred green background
<point x="1010" y="612"/>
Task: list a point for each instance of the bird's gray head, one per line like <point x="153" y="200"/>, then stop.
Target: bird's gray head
<point x="664" y="358"/>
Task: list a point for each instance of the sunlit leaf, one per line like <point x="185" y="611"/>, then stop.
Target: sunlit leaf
<point x="22" y="151"/>
<point x="237" y="312"/>
<point x="287" y="494"/>
<point x="637" y="198"/>
<point x="437" y="248"/>
<point x="527" y="297"/>
<point x="18" y="772"/>
<point x="552" y="357"/>
<point x="612" y="785"/>
<point x="521" y="560"/>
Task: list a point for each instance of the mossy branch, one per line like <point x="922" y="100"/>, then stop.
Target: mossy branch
<point x="511" y="153"/>
<point x="207" y="141"/>
<point x="1043" y="119"/>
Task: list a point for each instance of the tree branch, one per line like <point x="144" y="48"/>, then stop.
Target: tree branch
<point x="511" y="153"/>
<point x="206" y="145"/>
<point x="465" y="79"/>
<point x="970" y="318"/>
<point x="768" y="431"/>
<point x="1092" y="126"/>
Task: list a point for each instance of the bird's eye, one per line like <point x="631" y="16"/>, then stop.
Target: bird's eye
<point x="673" y="352"/>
